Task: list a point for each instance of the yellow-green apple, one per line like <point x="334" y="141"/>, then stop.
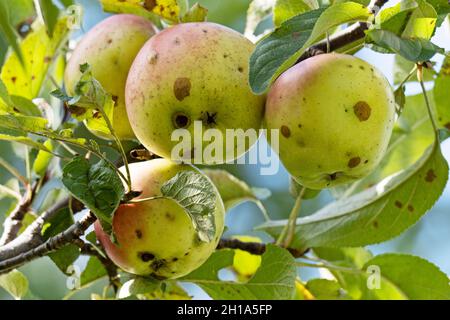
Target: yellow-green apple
<point x="110" y="48"/>
<point x="194" y="76"/>
<point x="156" y="237"/>
<point x="335" y="114"/>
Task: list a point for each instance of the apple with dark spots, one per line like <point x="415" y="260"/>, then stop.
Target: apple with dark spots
<point x="157" y="237"/>
<point x="335" y="114"/>
<point x="110" y="48"/>
<point x="187" y="73"/>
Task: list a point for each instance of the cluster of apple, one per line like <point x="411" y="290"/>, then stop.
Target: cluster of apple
<point x="335" y="114"/>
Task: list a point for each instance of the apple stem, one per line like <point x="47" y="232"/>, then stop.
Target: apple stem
<point x="287" y="235"/>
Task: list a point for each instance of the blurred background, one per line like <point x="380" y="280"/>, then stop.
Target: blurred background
<point x="430" y="238"/>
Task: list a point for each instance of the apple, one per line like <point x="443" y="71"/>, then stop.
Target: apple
<point x="157" y="237"/>
<point x="335" y="114"/>
<point x="188" y="74"/>
<point x="110" y="48"/>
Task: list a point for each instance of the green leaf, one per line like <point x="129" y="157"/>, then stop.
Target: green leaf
<point x="196" y="13"/>
<point x="234" y="191"/>
<point x="5" y="98"/>
<point x="25" y="106"/>
<point x="26" y="141"/>
<point x="50" y="14"/>
<point x="395" y="18"/>
<point x="97" y="186"/>
<point x="8" y="31"/>
<point x="286" y="9"/>
<point x="257" y="11"/>
<point x="15" y="283"/>
<point x="441" y="94"/>
<point x="416" y="50"/>
<point x="272" y="51"/>
<point x="130" y="6"/>
<point x="412" y="136"/>
<point x="442" y="8"/>
<point x="21" y="11"/>
<point x="422" y="21"/>
<point x="279" y="51"/>
<point x="67" y="255"/>
<point x="39" y="51"/>
<point x="324" y="289"/>
<point x="414" y="277"/>
<point x="24" y="123"/>
<point x="94" y="270"/>
<point x="195" y="193"/>
<point x="138" y="286"/>
<point x="376" y="214"/>
<point x="275" y="279"/>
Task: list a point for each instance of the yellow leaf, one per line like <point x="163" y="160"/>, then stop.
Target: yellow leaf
<point x="38" y="51"/>
<point x="245" y="264"/>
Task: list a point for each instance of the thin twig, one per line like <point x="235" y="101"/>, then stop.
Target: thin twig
<point x="255" y="248"/>
<point x="14" y="172"/>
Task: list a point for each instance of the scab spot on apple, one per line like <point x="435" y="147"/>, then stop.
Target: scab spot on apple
<point x="285" y="131"/>
<point x="146" y="256"/>
<point x="180" y="120"/>
<point x="182" y="88"/>
<point x="334" y="176"/>
<point x="153" y="57"/>
<point x="354" y="162"/>
<point x="157" y="264"/>
<point x="138" y="233"/>
<point x="170" y="216"/>
<point x="362" y="110"/>
<point x="240" y="69"/>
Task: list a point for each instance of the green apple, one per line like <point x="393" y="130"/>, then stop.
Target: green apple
<point x="157" y="237"/>
<point x="335" y="115"/>
<point x="110" y="48"/>
<point x="193" y="76"/>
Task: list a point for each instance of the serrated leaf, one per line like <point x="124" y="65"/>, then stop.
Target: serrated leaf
<point x="279" y="51"/>
<point x="195" y="193"/>
<point x="67" y="255"/>
<point x="441" y="94"/>
<point x="416" y="50"/>
<point x="97" y="186"/>
<point x="414" y="277"/>
<point x="38" y="51"/>
<point x="376" y="214"/>
<point x="234" y="191"/>
<point x="257" y="11"/>
<point x="274" y="280"/>
<point x="15" y="283"/>
<point x="50" y="14"/>
<point x="94" y="270"/>
<point x="286" y="9"/>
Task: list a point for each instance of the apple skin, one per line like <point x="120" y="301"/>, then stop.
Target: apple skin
<point x="157" y="237"/>
<point x="335" y="114"/>
<point x="189" y="72"/>
<point x="110" y="48"/>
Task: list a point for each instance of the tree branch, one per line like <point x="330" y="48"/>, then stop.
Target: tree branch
<point x="353" y="33"/>
<point x="60" y="240"/>
<point x="255" y="248"/>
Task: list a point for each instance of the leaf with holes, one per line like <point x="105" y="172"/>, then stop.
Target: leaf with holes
<point x="377" y="214"/>
<point x="274" y="280"/>
<point x="196" y="195"/>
